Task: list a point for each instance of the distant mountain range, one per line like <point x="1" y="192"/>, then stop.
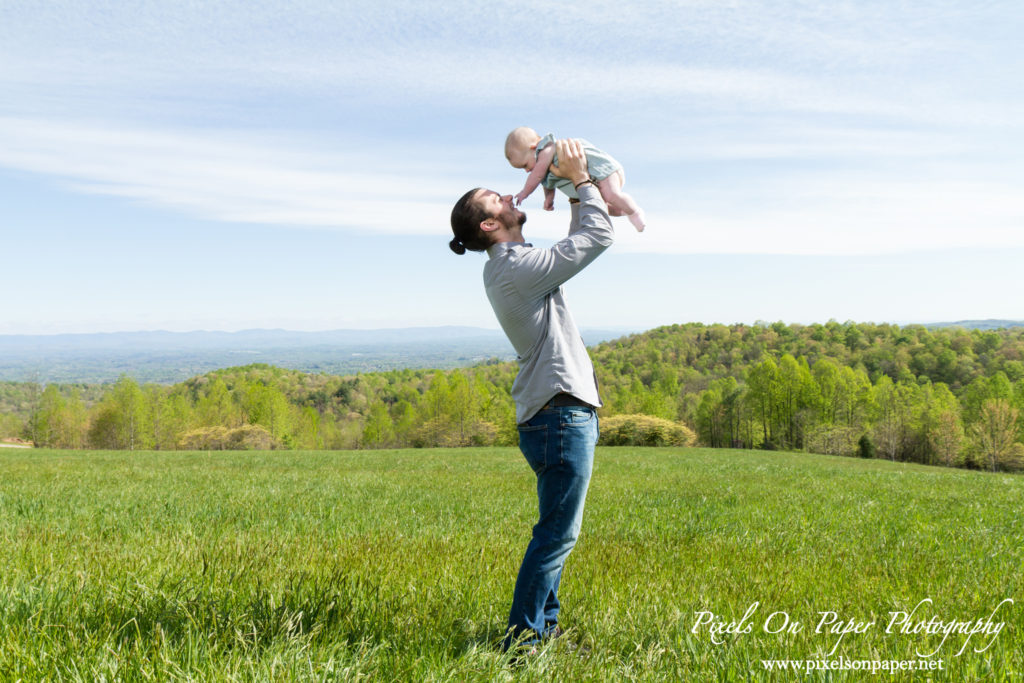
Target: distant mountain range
<point x="168" y="357"/>
<point x="990" y="324"/>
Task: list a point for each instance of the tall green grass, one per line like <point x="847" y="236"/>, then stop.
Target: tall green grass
<point x="399" y="565"/>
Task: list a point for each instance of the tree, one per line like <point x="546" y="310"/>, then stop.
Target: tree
<point x="379" y="430"/>
<point x="12" y="426"/>
<point x="996" y="432"/>
<point x="763" y="390"/>
<point x="404" y="422"/>
<point x="307" y="421"/>
<point x="43" y="423"/>
<point x="265" y="405"/>
<point x="33" y="398"/>
<point x="462" y="406"/>
<point x="855" y="396"/>
<point x="981" y="390"/>
<point x="452" y="412"/>
<point x="947" y="438"/>
<point x="865" y="447"/>
<point x="892" y="416"/>
<point x="829" y="393"/>
<point x="436" y="408"/>
<point x="58" y="422"/>
<point x="710" y="419"/>
<point x="796" y="389"/>
<point x="216" y="407"/>
<point x="719" y="413"/>
<point x="75" y="422"/>
<point x="122" y="418"/>
<point x="172" y="416"/>
<point x="939" y="423"/>
<point x="657" y="404"/>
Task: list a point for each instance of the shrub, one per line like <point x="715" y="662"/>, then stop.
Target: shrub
<point x="250" y="438"/>
<point x="644" y="430"/>
<point x="204" y="439"/>
<point x="831" y="440"/>
<point x="865" y="447"/>
<point x="443" y="433"/>
<point x="244" y="438"/>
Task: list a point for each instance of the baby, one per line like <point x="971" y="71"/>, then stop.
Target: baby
<point x="535" y="154"/>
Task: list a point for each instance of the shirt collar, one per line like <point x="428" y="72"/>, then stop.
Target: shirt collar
<point x="501" y="248"/>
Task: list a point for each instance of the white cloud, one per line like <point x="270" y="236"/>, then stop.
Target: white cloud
<point x="237" y="180"/>
<point x="120" y="103"/>
<point x="866" y="59"/>
<point x="241" y="179"/>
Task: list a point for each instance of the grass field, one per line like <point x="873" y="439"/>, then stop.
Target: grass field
<point x="399" y="565"/>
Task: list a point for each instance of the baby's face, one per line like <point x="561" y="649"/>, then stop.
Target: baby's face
<point x="521" y="156"/>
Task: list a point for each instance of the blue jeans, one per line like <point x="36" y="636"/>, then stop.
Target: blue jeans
<point x="559" y="445"/>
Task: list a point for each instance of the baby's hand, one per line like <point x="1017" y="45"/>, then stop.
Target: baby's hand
<point x="520" y="197"/>
<point x="549" y="203"/>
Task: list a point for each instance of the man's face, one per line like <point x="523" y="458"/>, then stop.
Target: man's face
<point x="501" y="207"/>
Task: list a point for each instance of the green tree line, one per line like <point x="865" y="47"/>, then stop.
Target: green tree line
<point x="945" y="396"/>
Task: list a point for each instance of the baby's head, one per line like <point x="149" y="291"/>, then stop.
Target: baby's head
<point x="519" y="146"/>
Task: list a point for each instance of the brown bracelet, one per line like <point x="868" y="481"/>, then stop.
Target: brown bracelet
<point x="588" y="180"/>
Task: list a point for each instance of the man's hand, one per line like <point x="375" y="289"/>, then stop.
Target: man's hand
<point x="572" y="161"/>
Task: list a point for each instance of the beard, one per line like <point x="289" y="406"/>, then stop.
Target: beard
<point x="511" y="217"/>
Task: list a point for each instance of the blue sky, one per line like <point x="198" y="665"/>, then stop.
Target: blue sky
<point x="233" y="165"/>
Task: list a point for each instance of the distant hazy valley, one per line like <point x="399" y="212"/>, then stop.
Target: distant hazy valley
<point x="168" y="357"/>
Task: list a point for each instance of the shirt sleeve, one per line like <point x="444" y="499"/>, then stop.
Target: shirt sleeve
<point x="541" y="271"/>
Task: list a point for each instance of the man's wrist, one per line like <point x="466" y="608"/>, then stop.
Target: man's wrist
<point x="580" y="183"/>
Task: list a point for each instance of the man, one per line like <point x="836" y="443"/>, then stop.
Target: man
<point x="555" y="390"/>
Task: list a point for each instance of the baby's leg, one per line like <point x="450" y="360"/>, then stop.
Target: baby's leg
<point x="620" y="203"/>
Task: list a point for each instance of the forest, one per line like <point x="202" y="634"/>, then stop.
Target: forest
<point x="946" y="396"/>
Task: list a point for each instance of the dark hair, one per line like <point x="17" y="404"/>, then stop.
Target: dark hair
<point x="467" y="215"/>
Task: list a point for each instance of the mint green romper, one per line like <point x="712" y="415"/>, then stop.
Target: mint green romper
<point x="599" y="165"/>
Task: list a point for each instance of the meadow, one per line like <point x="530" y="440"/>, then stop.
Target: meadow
<point x="399" y="565"/>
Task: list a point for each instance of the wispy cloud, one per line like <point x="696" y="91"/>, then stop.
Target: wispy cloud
<point x="867" y="58"/>
<point x="249" y="180"/>
<point x="245" y="180"/>
<point x="826" y="125"/>
<point x="746" y="127"/>
<point x="864" y="217"/>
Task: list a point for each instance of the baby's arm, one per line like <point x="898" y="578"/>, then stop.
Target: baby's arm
<point x="549" y="199"/>
<point x="540" y="169"/>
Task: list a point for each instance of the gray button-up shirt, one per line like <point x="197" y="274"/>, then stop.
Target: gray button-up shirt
<point x="524" y="285"/>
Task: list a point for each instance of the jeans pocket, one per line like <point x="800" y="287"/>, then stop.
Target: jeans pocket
<point x="577" y="436"/>
<point x="578" y="417"/>
<point x="533" y="442"/>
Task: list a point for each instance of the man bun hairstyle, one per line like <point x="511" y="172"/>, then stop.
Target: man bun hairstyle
<point x="467" y="215"/>
<point x="457" y="246"/>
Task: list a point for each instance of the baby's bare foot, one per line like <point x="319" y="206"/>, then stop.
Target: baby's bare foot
<point x="638" y="221"/>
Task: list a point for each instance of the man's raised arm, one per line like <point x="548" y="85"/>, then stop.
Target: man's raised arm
<point x="590" y="231"/>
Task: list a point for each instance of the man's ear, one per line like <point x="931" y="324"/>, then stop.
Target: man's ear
<point x="489" y="225"/>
